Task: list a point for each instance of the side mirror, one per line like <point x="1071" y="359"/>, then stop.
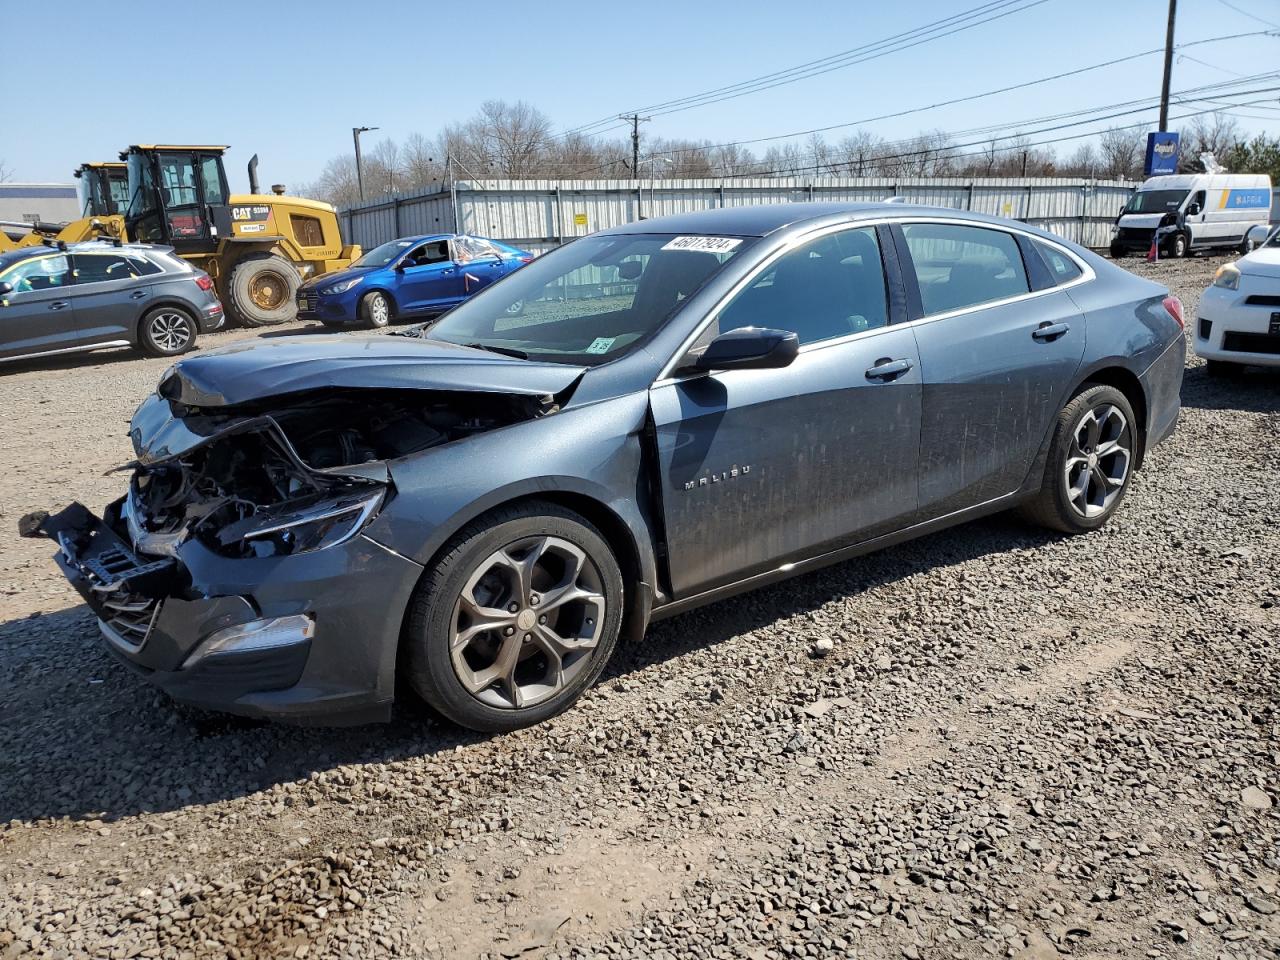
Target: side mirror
<point x="402" y="266"/>
<point x="1193" y="209"/>
<point x="1256" y="237"/>
<point x="6" y="288"/>
<point x="750" y="348"/>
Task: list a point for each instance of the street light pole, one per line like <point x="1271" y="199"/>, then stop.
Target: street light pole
<point x="355" y="136"/>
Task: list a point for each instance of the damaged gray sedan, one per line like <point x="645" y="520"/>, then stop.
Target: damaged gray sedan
<point x="648" y="419"/>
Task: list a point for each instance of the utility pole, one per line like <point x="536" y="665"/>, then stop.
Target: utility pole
<point x="1168" y="67"/>
<point x="355" y="135"/>
<point x="636" y="120"/>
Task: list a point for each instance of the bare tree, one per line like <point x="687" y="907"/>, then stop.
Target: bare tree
<point x="6" y="172"/>
<point x="512" y="137"/>
<point x="1216" y="133"/>
<point x="1121" y="151"/>
<point x="856" y="154"/>
<point x="1085" y="162"/>
<point x="336" y="183"/>
<point x="420" y="163"/>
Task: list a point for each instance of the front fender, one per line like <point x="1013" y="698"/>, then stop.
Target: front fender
<point x="594" y="451"/>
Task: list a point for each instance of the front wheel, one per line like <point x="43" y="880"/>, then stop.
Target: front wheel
<point x="166" y="332"/>
<point x="516" y="620"/>
<point x="375" y="309"/>
<point x="1090" y="462"/>
<point x="1118" y="250"/>
<point x="1178" y="246"/>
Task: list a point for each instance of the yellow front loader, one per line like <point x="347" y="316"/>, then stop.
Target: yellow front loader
<point x="258" y="247"/>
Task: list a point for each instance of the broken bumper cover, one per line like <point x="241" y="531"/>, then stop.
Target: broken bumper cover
<point x="311" y="637"/>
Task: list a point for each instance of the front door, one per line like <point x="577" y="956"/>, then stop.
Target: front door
<point x="37" y="315"/>
<point x="763" y="467"/>
<point x="480" y="262"/>
<point x="428" y="279"/>
<point x="995" y="359"/>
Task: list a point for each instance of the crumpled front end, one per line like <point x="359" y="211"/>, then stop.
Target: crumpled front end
<point x="236" y="575"/>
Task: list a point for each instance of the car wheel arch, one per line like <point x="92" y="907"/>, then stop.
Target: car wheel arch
<point x="636" y="560"/>
<point x="150" y="306"/>
<point x="1127" y="382"/>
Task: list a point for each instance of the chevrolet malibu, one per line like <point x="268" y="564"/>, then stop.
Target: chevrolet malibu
<point x="683" y="409"/>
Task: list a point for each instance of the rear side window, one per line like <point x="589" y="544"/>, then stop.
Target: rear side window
<point x="830" y="287"/>
<point x="101" y="267"/>
<point x="1061" y="267"/>
<point x="961" y="266"/>
<point x="143" y="267"/>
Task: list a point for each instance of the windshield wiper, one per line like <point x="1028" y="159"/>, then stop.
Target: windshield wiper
<point x="505" y="351"/>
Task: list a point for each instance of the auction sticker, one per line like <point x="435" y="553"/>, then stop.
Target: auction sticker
<point x="703" y="244"/>
<point x="601" y="344"/>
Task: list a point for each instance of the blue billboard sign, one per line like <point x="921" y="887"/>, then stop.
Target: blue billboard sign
<point x="1162" y="154"/>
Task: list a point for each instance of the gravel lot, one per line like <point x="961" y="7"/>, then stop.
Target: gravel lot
<point x="1019" y="746"/>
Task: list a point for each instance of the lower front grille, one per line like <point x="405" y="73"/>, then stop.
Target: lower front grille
<point x="1137" y="236"/>
<point x="127" y="618"/>
<point x="1206" y="327"/>
<point x="1251" y="343"/>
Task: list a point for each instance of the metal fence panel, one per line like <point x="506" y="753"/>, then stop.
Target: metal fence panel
<point x="541" y="214"/>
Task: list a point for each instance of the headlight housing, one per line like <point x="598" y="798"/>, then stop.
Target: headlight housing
<point x="1227" y="277"/>
<point x="302" y="527"/>
<point x="342" y="286"/>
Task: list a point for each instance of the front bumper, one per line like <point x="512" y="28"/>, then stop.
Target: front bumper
<point x="160" y="614"/>
<point x="1228" y="327"/>
<point x="336" y="310"/>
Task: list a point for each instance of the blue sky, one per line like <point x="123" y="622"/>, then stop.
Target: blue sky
<point x="289" y="80"/>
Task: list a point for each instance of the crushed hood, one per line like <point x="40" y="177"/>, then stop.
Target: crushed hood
<point x="248" y="372"/>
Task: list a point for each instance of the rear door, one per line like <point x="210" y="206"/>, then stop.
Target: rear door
<point x="111" y="291"/>
<point x="996" y="359"/>
<point x="429" y="280"/>
<point x="763" y="467"/>
<point x="37" y="316"/>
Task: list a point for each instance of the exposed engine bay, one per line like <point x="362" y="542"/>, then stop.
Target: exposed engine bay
<point x="278" y="478"/>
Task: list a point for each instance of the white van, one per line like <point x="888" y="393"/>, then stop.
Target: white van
<point x="1195" y="211"/>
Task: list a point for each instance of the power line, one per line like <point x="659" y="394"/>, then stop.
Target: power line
<point x="948" y="26"/>
<point x="1246" y="13"/>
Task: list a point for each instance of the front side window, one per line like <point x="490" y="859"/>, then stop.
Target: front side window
<point x="1061" y="267"/>
<point x="830" y="287"/>
<point x="143" y="214"/>
<point x="961" y="266"/>
<point x="592" y="300"/>
<point x="181" y="200"/>
<point x="437" y="251"/>
<point x="38" y="273"/>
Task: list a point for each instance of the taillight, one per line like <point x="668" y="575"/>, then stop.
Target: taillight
<point x="1174" y="306"/>
<point x="526" y="259"/>
<point x="204" y="282"/>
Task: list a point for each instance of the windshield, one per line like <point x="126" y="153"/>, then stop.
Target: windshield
<point x="383" y="255"/>
<point x="1155" y="201"/>
<point x="590" y="301"/>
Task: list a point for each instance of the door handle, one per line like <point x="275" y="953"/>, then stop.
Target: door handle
<point x="447" y="270"/>
<point x="886" y="369"/>
<point x="59" y="305"/>
<point x="1047" y="332"/>
<point x="137" y="295"/>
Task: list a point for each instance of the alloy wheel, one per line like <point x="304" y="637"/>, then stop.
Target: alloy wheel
<point x="527" y="622"/>
<point x="379" y="312"/>
<point x="1098" y="459"/>
<point x="170" y="331"/>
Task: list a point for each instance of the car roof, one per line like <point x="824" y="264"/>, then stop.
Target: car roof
<point x="87" y="246"/>
<point x="759" y="221"/>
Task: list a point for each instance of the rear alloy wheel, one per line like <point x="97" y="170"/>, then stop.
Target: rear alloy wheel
<point x="516" y="620"/>
<point x="262" y="290"/>
<point x="1090" y="462"/>
<point x="166" y="332"/>
<point x="375" y="309"/>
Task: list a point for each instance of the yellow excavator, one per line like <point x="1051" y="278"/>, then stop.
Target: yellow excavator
<point x="257" y="247"/>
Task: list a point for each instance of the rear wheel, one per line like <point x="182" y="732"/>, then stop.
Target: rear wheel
<point x="1090" y="461"/>
<point x="262" y="289"/>
<point x="375" y="309"/>
<point x="166" y="332"/>
<point x="1246" y="247"/>
<point x="516" y="620"/>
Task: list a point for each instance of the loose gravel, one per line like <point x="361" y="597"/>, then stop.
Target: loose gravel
<point x="990" y="742"/>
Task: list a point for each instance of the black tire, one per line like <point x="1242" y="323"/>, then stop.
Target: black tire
<point x="1179" y="246"/>
<point x="273" y="280"/>
<point x="166" y="332"/>
<point x="1053" y="506"/>
<point x="435" y="612"/>
<point x="1118" y="251"/>
<point x="1246" y="247"/>
<point x="1222" y="368"/>
<point x="375" y="310"/>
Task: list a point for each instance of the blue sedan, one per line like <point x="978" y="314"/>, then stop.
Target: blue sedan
<point x="409" y="277"/>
